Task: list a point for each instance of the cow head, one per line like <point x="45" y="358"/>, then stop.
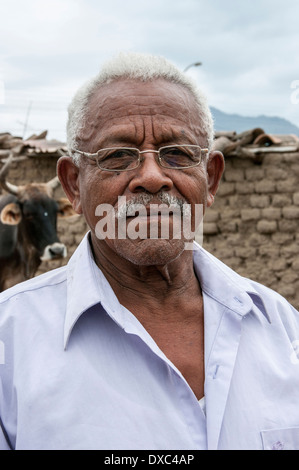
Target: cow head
<point x="35" y="212"/>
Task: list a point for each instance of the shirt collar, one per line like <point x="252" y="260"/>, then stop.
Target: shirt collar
<point x="87" y="286"/>
<point x="226" y="286"/>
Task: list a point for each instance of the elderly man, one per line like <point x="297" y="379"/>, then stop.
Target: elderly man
<point x="140" y="342"/>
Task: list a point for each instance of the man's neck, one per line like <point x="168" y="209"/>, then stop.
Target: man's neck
<point x="174" y="282"/>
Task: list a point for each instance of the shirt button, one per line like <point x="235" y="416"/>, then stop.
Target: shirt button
<point x="278" y="445"/>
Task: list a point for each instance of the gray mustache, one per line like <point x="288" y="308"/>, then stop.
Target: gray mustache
<point x="139" y="201"/>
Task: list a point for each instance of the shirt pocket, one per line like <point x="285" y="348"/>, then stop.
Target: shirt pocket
<point x="281" y="439"/>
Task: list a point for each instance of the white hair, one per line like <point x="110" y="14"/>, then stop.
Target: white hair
<point x="143" y="67"/>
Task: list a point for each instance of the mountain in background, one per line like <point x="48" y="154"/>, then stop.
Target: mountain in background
<point x="235" y="122"/>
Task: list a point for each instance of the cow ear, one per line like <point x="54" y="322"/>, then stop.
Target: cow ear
<point x="11" y="214"/>
<point x="65" y="208"/>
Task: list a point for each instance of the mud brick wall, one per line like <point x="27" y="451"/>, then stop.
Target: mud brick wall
<point x="253" y="225"/>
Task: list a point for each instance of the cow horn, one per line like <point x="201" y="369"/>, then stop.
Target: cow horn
<point x="11" y="188"/>
<point x="53" y="183"/>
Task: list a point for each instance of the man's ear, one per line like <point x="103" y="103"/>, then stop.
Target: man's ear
<point x="215" y="168"/>
<point x="68" y="174"/>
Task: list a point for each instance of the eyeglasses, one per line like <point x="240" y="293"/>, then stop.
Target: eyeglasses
<point x="174" y="157"/>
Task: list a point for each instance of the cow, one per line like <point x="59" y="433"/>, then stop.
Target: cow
<point x="28" y="235"/>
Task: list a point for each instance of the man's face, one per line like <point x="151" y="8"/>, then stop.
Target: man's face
<point x="147" y="116"/>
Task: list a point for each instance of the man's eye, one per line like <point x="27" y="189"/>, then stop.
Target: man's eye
<point x="176" y="152"/>
<point x="122" y="153"/>
<point x="119" y="159"/>
<point x="119" y="154"/>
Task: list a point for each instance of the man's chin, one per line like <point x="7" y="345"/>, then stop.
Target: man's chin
<point x="148" y="252"/>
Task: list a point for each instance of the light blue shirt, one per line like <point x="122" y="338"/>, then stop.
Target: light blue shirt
<point x="78" y="371"/>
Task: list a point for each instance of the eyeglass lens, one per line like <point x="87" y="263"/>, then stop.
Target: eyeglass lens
<point x="120" y="159"/>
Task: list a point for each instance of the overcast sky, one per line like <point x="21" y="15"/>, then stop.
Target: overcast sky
<point x="249" y="52"/>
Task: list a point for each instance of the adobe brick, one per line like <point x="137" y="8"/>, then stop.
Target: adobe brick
<point x="220" y="202"/>
<point x="278" y="264"/>
<point x="271" y="213"/>
<point x="265" y="186"/>
<point x="287" y="291"/>
<point x="294" y="168"/>
<point x="241" y="162"/>
<point x="266" y="226"/>
<point x="282" y="237"/>
<point x="211" y="216"/>
<point x="290" y="276"/>
<point x="296" y="199"/>
<point x="250" y="214"/>
<point x="245" y="187"/>
<point x="281" y="200"/>
<point x="288" y="225"/>
<point x="229" y="213"/>
<point x="255" y="174"/>
<point x="288" y="250"/>
<point x="269" y="250"/>
<point x="257" y="239"/>
<point x="291" y="157"/>
<point x="276" y="173"/>
<point x="210" y="228"/>
<point x="272" y="159"/>
<point x="234" y="239"/>
<point x="224" y="252"/>
<point x="290" y="212"/>
<point x="259" y="200"/>
<point x="225" y="189"/>
<point x="238" y="201"/>
<point x="234" y="262"/>
<point x="245" y="251"/>
<point x="234" y="174"/>
<point x="295" y="264"/>
<point x="229" y="225"/>
<point x="288" y="186"/>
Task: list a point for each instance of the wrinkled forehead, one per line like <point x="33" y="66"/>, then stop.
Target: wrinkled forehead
<point x="129" y="101"/>
<point x="129" y="94"/>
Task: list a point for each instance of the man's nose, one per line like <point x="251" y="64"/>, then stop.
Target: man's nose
<point x="150" y="176"/>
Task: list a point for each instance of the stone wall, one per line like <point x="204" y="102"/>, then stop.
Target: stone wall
<point x="253" y="224"/>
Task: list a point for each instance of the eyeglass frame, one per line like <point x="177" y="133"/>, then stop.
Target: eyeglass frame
<point x="204" y="151"/>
